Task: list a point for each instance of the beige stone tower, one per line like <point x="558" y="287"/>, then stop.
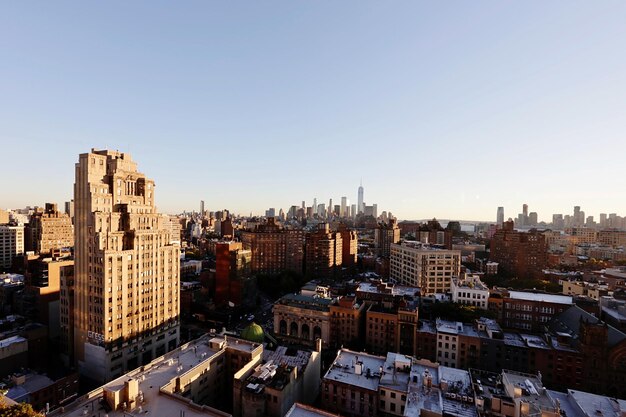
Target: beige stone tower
<point x="127" y="271"/>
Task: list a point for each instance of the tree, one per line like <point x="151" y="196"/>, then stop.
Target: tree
<point x="18" y="410"/>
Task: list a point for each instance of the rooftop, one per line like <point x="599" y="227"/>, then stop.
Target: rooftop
<point x="439" y="389"/>
<point x="395" y="290"/>
<point x="583" y="404"/>
<point x="33" y="383"/>
<point x="534" y="341"/>
<point x="459" y="396"/>
<point x="301" y="410"/>
<point x="152" y="380"/>
<point x="568" y="322"/>
<point x="11" y="340"/>
<point x="514" y="339"/>
<point x="391" y="377"/>
<point x="307" y="301"/>
<point x="547" y="298"/>
<point x="422" y="246"/>
<point x="446" y="326"/>
<point x="289" y="357"/>
<point x="357" y="369"/>
<point x="528" y="388"/>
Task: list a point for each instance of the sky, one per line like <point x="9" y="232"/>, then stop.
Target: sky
<point x="443" y="109"/>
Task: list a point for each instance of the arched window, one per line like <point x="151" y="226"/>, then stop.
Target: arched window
<point x="293" y="329"/>
<point x="305" y="332"/>
<point x="282" y="329"/>
<point x="317" y="332"/>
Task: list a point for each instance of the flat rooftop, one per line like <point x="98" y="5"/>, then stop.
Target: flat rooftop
<point x="301" y="410"/>
<point x="534" y="341"/>
<point x="154" y="376"/>
<point x="396" y="290"/>
<point x="34" y="382"/>
<point x="344" y="369"/>
<point x="460" y="390"/>
<point x="393" y="379"/>
<point x="514" y="339"/>
<point x="614" y="313"/>
<point x="451" y="327"/>
<point x="283" y="355"/>
<point x="420" y="396"/>
<point x="546" y="298"/>
<point x="11" y="340"/>
<point x="306" y="301"/>
<point x="530" y="388"/>
<point x="448" y="392"/>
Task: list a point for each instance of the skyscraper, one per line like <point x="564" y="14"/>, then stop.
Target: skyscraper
<point x="500" y="217"/>
<point x="202" y="208"/>
<point x="127" y="271"/>
<point x="361" y="207"/>
<point x="344" y="207"/>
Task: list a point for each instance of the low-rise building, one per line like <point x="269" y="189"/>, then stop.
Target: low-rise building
<point x="347" y="321"/>
<point x="272" y="387"/>
<point x="395" y="385"/>
<point x="391" y="318"/>
<point x="350" y="386"/>
<point x="524" y="310"/>
<point x="195" y="379"/>
<point x="303" y="410"/>
<point x="302" y="319"/>
<point x="469" y="290"/>
<point x="13" y="354"/>
<point x="41" y="391"/>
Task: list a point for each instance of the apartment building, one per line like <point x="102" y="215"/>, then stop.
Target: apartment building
<point x="424" y="266"/>
<point x="126" y="272"/>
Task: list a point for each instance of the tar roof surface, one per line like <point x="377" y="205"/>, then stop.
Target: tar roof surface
<point x="343" y="369"/>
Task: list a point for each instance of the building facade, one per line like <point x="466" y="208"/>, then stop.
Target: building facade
<point x="126" y="272"/>
<point x="384" y="235"/>
<point x="234" y="282"/>
<point x="274" y="248"/>
<point x="424" y="266"/>
<point x="469" y="290"/>
<point x="523" y="254"/>
<point x="302" y="319"/>
<point x="11" y="244"/>
<point x="50" y="229"/>
<point x="324" y="253"/>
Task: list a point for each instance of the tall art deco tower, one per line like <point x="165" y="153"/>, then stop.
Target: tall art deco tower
<point x="127" y="268"/>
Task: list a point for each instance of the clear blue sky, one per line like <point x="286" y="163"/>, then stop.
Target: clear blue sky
<point x="445" y="109"/>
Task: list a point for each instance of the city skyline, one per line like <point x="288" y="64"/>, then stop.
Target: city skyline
<point x="253" y="106"/>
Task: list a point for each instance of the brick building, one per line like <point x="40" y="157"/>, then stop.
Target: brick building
<point x="274" y="248"/>
<point x="234" y="282"/>
<point x="384" y="235"/>
<point x="523" y="254"/>
<point x="323" y="253"/>
<point x="50" y="229"/>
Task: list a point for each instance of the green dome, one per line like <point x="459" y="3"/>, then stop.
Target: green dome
<point x="253" y="333"/>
